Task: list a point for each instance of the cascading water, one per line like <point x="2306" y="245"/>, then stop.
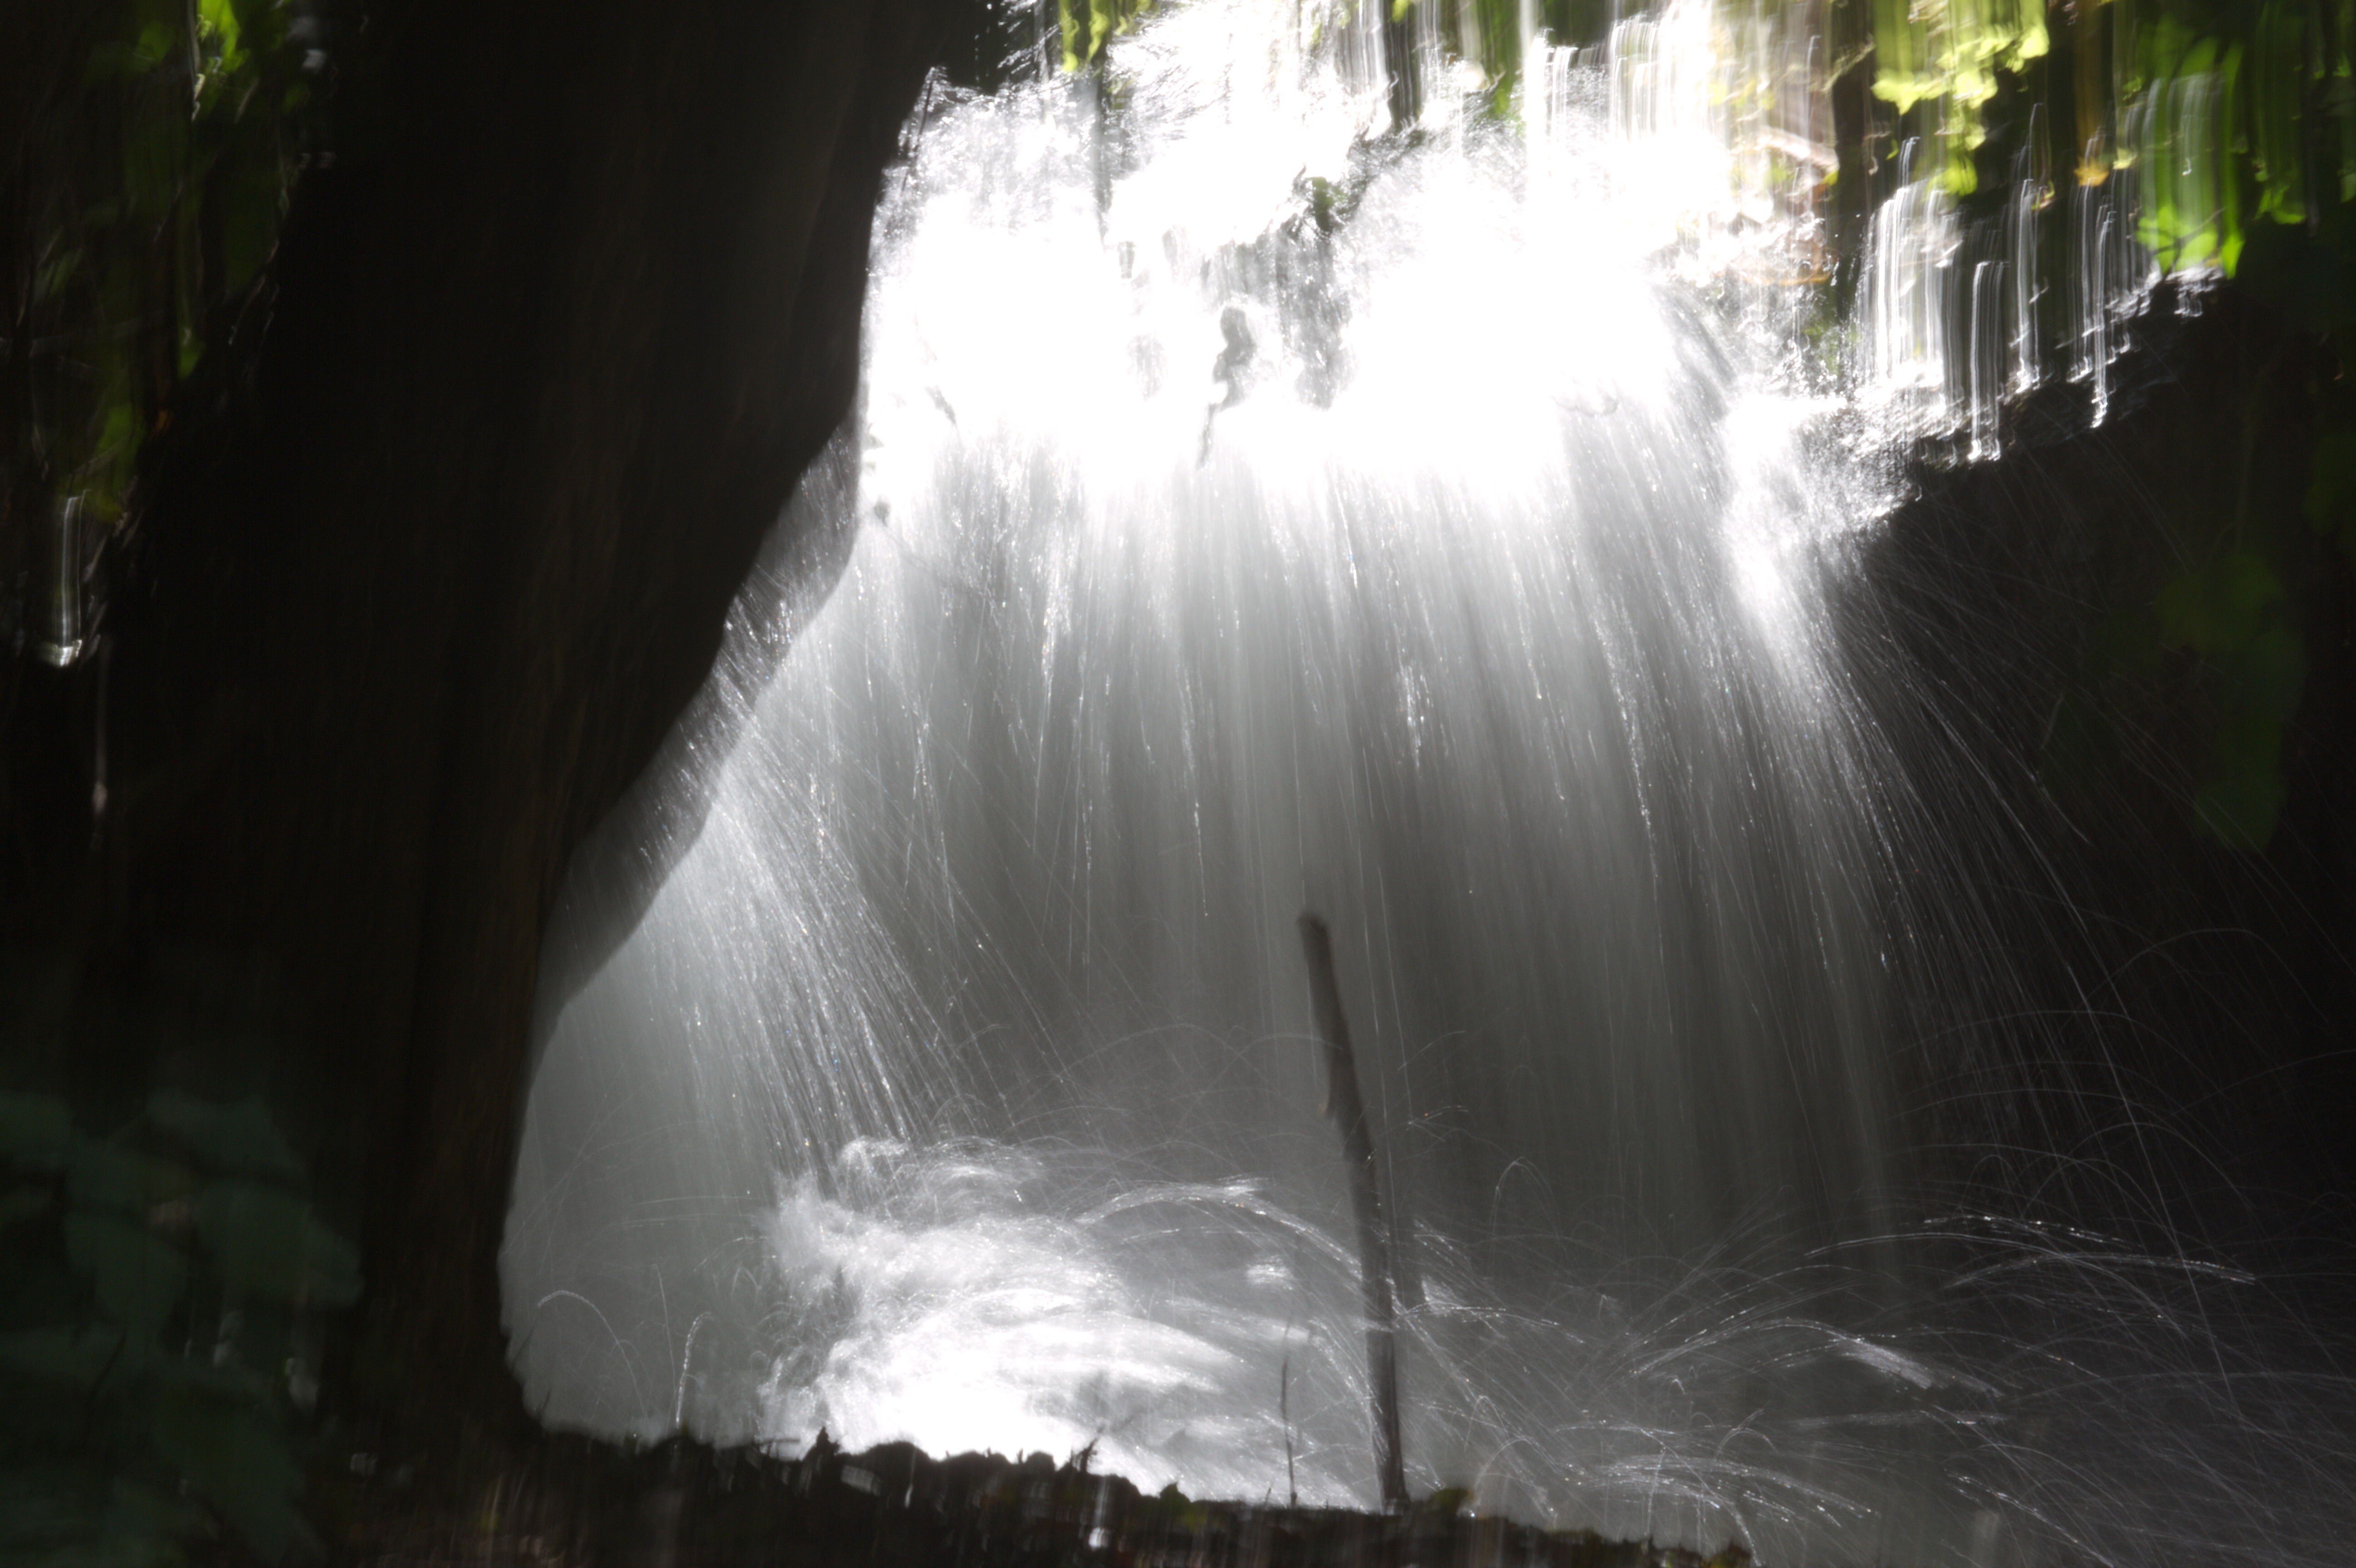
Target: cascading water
<point x="1255" y="511"/>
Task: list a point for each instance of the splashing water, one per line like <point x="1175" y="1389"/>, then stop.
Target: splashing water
<point x="1254" y="507"/>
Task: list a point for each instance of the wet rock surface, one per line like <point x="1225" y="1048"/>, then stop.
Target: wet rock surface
<point x="683" y="1505"/>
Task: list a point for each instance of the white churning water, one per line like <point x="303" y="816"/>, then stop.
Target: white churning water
<point x="1252" y="510"/>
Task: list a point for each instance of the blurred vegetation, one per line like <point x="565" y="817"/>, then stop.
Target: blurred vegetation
<point x="159" y="1334"/>
<point x="154" y="143"/>
<point x="2199" y="640"/>
<point x="1086" y="26"/>
<point x="2233" y="127"/>
<point x="165" y="1289"/>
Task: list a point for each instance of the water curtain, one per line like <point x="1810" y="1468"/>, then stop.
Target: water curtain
<point x="1260" y="503"/>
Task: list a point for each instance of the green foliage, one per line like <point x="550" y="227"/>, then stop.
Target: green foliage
<point x="2234" y="615"/>
<point x="2332" y="490"/>
<point x="1087" y="24"/>
<point x="2236" y="121"/>
<point x="154" y="179"/>
<point x="2220" y="642"/>
<point x="240" y="1137"/>
<point x="35" y="1131"/>
<point x="2181" y="147"/>
<point x="234" y="1453"/>
<point x="2205" y="642"/>
<point x="2222" y="113"/>
<point x="1946" y="54"/>
<point x="162" y="1284"/>
<point x="265" y="1242"/>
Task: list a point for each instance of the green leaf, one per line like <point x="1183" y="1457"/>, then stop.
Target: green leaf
<point x="158" y="41"/>
<point x="118" y="436"/>
<point x="73" y="1356"/>
<point x="2262" y="677"/>
<point x="35" y="1130"/>
<point x="2331" y="481"/>
<point x="21" y="1203"/>
<point x="2332" y="490"/>
<point x="2240" y="805"/>
<point x="238" y="1138"/>
<point x="144" y="1527"/>
<point x="218" y="19"/>
<point x="2235" y="615"/>
<point x="101" y="1175"/>
<point x="139" y="1274"/>
<point x="75" y="1513"/>
<point x="72" y="1514"/>
<point x="240" y="1464"/>
<point x="51" y="280"/>
<point x="265" y="1241"/>
<point x="55" y="1507"/>
<point x="2220" y="607"/>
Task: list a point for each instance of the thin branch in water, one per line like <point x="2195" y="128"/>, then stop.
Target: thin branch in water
<point x="1349" y="1114"/>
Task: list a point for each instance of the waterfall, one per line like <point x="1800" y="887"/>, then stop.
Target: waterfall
<point x="1256" y="506"/>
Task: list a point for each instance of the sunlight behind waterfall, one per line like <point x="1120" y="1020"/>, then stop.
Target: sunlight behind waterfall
<point x="1259" y="508"/>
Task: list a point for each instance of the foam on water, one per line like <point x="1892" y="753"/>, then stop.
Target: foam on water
<point x="1257" y="508"/>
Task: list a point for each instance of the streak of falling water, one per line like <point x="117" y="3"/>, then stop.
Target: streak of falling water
<point x="1253" y="512"/>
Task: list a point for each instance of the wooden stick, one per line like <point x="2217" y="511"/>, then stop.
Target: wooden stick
<point x="1349" y="1114"/>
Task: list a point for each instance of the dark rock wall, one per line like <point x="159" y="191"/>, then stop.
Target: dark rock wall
<point x="422" y="585"/>
<point x="2152" y="1022"/>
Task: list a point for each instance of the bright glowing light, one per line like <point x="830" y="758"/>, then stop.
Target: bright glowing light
<point x="1259" y="510"/>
